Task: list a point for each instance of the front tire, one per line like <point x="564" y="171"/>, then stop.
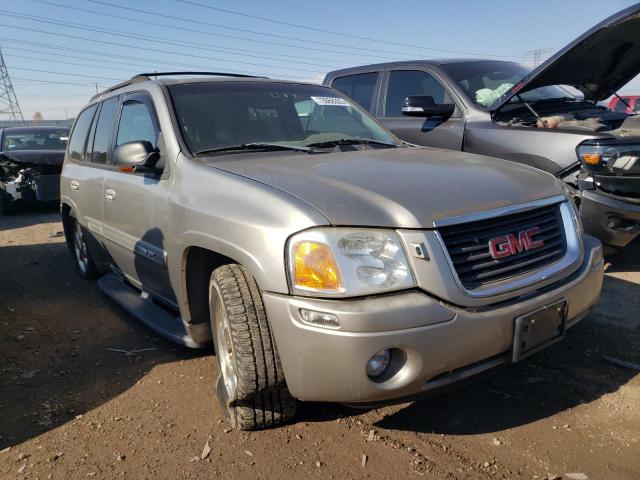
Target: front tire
<point x="251" y="385"/>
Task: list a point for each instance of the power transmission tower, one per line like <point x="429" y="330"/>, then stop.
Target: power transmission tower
<point x="538" y="55"/>
<point x="8" y="100"/>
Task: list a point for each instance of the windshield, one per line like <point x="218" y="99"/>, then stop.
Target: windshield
<point x="222" y="114"/>
<point x="486" y="82"/>
<point x="37" y="139"/>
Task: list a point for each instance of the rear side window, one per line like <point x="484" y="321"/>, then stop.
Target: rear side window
<point x="136" y="124"/>
<point x="358" y="87"/>
<point x="403" y="83"/>
<point x="79" y="134"/>
<point x="622" y="106"/>
<point x="104" y="128"/>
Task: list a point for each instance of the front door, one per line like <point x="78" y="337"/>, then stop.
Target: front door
<point x="135" y="205"/>
<point x="430" y="132"/>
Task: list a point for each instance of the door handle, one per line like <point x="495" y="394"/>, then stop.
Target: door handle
<point x="74" y="184"/>
<point x="110" y="194"/>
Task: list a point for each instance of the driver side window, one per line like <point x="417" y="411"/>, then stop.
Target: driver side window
<point x="136" y="124"/>
<point x="404" y="83"/>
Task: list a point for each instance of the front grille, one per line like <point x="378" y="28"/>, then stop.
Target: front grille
<point x="468" y="245"/>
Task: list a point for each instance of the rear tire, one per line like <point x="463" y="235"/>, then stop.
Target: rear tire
<point x="85" y="266"/>
<point x="251" y="387"/>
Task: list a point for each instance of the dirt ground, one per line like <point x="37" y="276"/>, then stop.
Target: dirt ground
<point x="72" y="407"/>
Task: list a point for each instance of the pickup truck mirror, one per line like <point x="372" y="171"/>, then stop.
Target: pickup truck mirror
<point x="424" y="106"/>
<point x="136" y="156"/>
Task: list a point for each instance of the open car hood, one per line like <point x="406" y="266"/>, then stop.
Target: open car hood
<point x="598" y="63"/>
<point x="34" y="157"/>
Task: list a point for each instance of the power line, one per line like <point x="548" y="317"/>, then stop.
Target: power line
<point x="204" y="32"/>
<point x="54" y="82"/>
<point x="332" y="32"/>
<point x="156" y="39"/>
<point x="200" y="22"/>
<point x="76" y="37"/>
<point x="68" y="74"/>
<point x="156" y="62"/>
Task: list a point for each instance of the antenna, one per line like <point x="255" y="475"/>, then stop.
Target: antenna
<point x="8" y="100"/>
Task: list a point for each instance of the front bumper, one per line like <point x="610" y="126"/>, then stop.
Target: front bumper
<point x="442" y="344"/>
<point x="612" y="220"/>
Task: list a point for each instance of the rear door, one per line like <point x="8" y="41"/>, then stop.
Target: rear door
<point x="136" y="204"/>
<point x="82" y="179"/>
<point x="433" y="132"/>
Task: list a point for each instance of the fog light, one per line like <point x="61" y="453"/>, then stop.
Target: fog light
<point x="319" y="319"/>
<point x="377" y="364"/>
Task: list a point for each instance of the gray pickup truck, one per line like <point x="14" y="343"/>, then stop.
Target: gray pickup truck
<point x="325" y="259"/>
<point x="550" y="118"/>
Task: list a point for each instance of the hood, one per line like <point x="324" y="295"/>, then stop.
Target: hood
<point x="598" y="63"/>
<point x="35" y="157"/>
<point x="398" y="188"/>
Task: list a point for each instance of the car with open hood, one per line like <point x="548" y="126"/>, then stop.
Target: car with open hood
<point x="30" y="163"/>
<point x="325" y="259"/>
<point x="551" y="117"/>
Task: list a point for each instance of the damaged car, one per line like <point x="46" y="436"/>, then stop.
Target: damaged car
<point x="30" y="164"/>
<point x="552" y="117"/>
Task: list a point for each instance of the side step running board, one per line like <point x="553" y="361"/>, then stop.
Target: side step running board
<point x="169" y="326"/>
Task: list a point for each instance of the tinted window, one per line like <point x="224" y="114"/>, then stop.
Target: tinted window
<point x="79" y="135"/>
<point x="358" y="87"/>
<point x="136" y="124"/>
<point x="404" y="83"/>
<point x="103" y="131"/>
<point x="215" y="115"/>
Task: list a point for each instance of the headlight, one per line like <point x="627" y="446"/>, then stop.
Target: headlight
<point x="623" y="159"/>
<point x="345" y="262"/>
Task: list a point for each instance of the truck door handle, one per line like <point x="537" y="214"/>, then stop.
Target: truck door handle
<point x="110" y="194"/>
<point x="74" y="184"/>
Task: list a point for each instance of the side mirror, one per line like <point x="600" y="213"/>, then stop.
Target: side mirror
<point x="136" y="156"/>
<point x="424" y="106"/>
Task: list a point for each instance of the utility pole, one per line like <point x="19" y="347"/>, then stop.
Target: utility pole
<point x="8" y="100"/>
<point x="538" y="55"/>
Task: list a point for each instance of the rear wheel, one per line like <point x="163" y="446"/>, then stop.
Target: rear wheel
<point x="251" y="385"/>
<point x="84" y="262"/>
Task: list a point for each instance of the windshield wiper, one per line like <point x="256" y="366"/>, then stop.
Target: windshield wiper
<point x="350" y="141"/>
<point x="254" y="146"/>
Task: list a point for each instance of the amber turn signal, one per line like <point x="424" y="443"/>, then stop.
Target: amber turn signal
<point x="591" y="158"/>
<point x="314" y="267"/>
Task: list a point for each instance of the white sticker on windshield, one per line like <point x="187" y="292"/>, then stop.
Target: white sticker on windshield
<point x="331" y="101"/>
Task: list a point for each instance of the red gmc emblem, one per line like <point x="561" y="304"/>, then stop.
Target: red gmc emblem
<point x="511" y="244"/>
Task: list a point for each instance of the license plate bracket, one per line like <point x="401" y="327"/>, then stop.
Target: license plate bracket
<point x="539" y="329"/>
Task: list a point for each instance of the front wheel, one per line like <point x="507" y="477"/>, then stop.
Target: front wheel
<point x="251" y="385"/>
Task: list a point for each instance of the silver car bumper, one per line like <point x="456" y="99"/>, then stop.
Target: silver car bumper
<point x="442" y="344"/>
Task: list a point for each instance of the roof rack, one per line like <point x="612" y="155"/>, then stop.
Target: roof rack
<point x="141" y="77"/>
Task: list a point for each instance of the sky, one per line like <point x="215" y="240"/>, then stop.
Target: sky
<point x="58" y="52"/>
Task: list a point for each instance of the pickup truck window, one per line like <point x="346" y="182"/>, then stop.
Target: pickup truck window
<point x="359" y="87"/>
<point x="485" y="82"/>
<point x="79" y="134"/>
<point x="403" y="83"/>
<point x="103" y="131"/>
<point x="215" y="115"/>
